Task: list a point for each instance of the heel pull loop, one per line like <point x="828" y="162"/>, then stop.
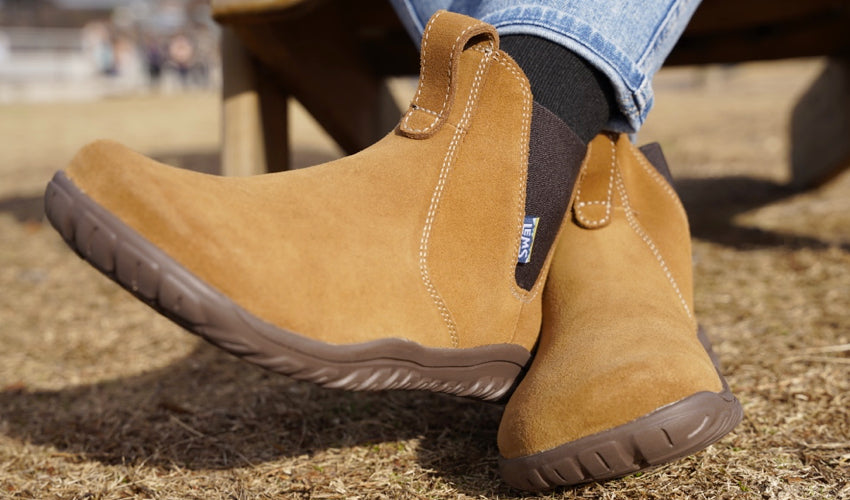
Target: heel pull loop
<point x="594" y="197"/>
<point x="445" y="38"/>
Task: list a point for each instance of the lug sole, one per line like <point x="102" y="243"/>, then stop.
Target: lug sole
<point x="487" y="373"/>
<point x="666" y="434"/>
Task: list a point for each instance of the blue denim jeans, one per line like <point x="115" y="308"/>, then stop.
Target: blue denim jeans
<point x="627" y="40"/>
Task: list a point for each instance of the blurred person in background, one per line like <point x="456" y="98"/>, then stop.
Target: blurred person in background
<point x="181" y="57"/>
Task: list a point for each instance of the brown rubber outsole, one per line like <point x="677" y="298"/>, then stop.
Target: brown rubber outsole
<point x="670" y="432"/>
<point x="487" y="373"/>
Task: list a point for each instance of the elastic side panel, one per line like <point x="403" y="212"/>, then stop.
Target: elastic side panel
<point x="554" y="159"/>
<point x="653" y="153"/>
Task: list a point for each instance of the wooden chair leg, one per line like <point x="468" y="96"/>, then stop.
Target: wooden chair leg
<point x="274" y="111"/>
<point x="820" y="128"/>
<point x="313" y="54"/>
<point x="253" y="111"/>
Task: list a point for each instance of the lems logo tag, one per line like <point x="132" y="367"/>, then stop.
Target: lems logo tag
<point x="526" y="241"/>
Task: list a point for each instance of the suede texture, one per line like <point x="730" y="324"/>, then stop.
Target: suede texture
<point x="618" y="338"/>
<point x="415" y="237"/>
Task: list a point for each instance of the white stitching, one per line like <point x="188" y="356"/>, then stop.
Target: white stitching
<point x="591" y="223"/>
<point x="638" y="229"/>
<point x="422" y="72"/>
<point x="523" y="295"/>
<point x="452" y="56"/>
<point x="425" y="110"/>
<point x="448" y="160"/>
<point x="586" y="203"/>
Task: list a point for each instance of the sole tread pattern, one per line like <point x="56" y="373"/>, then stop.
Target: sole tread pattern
<point x="672" y="432"/>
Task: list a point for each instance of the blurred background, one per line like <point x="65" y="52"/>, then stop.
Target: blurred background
<point x="86" y="49"/>
<point x="101" y="398"/>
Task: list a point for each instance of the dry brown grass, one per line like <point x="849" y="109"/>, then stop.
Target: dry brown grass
<point x="102" y="399"/>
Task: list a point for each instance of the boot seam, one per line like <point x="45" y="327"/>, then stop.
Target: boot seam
<point x="425" y="110"/>
<point x="446" y="122"/>
<point x="525" y="296"/>
<point x="442" y="180"/>
<point x="425" y="46"/>
<point x="643" y="235"/>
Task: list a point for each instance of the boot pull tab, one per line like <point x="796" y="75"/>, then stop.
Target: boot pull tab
<point x="444" y="39"/>
<point x="595" y="192"/>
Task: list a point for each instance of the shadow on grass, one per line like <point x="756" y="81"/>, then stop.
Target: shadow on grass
<point x="713" y="203"/>
<point x="213" y="411"/>
<point x="25" y="209"/>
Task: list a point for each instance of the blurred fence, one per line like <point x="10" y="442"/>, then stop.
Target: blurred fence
<point x="42" y="54"/>
<point x="44" y="64"/>
<point x="51" y="64"/>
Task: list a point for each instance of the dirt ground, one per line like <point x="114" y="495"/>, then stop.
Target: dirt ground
<point x="100" y="398"/>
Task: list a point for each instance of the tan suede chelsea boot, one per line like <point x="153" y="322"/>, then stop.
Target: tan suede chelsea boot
<point x="415" y="264"/>
<point x="620" y="380"/>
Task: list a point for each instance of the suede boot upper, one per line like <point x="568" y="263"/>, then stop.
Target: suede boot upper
<point x="618" y="338"/>
<point x="416" y="237"/>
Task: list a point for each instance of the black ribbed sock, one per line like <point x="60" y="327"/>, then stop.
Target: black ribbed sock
<point x="564" y="83"/>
